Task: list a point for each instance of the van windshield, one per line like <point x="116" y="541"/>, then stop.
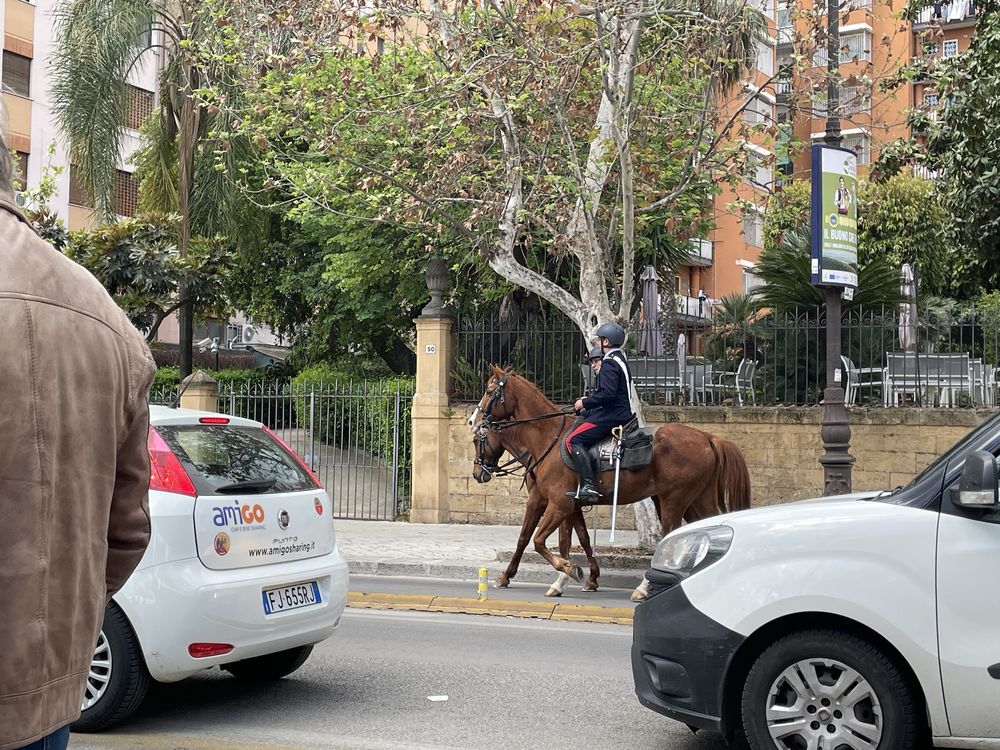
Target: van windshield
<point x="974" y="440"/>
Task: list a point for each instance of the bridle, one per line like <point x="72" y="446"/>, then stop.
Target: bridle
<point x="524" y="458"/>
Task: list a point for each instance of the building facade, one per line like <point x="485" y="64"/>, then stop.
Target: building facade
<point x="28" y="45"/>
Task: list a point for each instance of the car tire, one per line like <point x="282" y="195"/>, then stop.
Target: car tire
<point x="118" y="678"/>
<point x="271" y="666"/>
<point x="827" y="684"/>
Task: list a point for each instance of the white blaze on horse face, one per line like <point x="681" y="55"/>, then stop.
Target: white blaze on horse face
<point x="474" y="419"/>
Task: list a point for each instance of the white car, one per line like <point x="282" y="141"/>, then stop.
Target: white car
<point x="860" y="621"/>
<point x="242" y="569"/>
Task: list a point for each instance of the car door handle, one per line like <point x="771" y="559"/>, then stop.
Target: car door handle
<point x="994" y="671"/>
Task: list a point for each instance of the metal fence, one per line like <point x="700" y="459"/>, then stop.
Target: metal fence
<point x="354" y="435"/>
<point x="942" y="355"/>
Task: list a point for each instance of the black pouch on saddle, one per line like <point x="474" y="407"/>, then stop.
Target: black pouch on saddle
<point x="637" y="448"/>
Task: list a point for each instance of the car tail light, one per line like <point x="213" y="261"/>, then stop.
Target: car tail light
<point x="165" y="470"/>
<point x="214" y="420"/>
<point x="298" y="460"/>
<point x="203" y="650"/>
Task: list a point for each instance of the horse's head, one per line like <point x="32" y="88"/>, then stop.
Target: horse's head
<point x="488" y="452"/>
<point x="497" y="402"/>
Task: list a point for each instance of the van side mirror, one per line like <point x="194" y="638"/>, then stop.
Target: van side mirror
<point x="978" y="486"/>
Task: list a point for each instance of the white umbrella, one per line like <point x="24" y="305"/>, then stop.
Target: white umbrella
<point x="908" y="310"/>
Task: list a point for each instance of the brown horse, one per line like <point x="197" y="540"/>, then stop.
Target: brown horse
<point x="693" y="474"/>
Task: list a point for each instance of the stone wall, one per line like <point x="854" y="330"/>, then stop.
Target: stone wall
<point x="782" y="446"/>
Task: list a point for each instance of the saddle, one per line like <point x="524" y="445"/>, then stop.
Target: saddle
<point x="637" y="448"/>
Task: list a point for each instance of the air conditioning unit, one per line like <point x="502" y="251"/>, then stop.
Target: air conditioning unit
<point x="240" y="335"/>
<point x="248" y="334"/>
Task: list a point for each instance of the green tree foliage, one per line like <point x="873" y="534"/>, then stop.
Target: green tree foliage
<point x="541" y="137"/>
<point x="138" y="262"/>
<point x="960" y="143"/>
<point x="900" y="220"/>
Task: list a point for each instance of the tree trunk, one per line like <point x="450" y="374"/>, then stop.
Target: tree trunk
<point x="187" y="135"/>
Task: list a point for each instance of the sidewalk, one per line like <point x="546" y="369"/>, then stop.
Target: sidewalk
<point x="434" y="556"/>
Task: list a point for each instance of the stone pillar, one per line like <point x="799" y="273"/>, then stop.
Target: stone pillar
<point x="429" y="502"/>
<point x="199" y="391"/>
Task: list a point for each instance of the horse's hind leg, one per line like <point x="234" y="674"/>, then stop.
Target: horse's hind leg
<point x="554" y="515"/>
<point x="532" y="513"/>
<point x="580" y="524"/>
<point x="565" y="539"/>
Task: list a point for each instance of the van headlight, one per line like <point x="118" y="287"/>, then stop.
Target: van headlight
<point x="689" y="552"/>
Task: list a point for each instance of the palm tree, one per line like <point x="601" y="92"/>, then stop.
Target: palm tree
<point x="98" y="42"/>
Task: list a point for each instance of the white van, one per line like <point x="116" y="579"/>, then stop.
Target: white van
<point x="860" y="621"/>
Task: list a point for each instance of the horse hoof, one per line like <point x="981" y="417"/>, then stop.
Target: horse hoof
<point x="501" y="584"/>
<point x="576" y="573"/>
<point x="638" y="596"/>
<point x="553" y="591"/>
<point x="590" y="587"/>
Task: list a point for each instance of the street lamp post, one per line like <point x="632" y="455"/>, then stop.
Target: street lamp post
<point x="835" y="430"/>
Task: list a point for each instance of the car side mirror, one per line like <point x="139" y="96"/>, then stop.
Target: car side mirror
<point x="978" y="486"/>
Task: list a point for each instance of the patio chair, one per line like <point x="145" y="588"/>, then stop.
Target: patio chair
<point x="929" y="378"/>
<point x="658" y="378"/>
<point x="856" y="378"/>
<point x="739" y="383"/>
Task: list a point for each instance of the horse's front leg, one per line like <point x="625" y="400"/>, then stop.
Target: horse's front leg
<point x="580" y="524"/>
<point x="565" y="539"/>
<point x="532" y="513"/>
<point x="555" y="513"/>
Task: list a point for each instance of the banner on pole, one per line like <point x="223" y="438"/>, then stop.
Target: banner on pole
<point x="834" y="217"/>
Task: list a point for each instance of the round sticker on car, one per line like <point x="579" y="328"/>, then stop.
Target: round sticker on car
<point x="222" y="543"/>
<point x="283" y="519"/>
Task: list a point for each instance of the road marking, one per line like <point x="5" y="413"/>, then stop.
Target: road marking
<point x="497" y="607"/>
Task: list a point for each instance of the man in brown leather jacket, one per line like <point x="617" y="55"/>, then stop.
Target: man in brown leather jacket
<point x="74" y="474"/>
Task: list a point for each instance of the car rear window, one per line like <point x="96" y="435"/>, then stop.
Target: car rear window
<point x="218" y="455"/>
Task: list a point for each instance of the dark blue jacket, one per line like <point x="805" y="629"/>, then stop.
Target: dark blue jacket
<point x="608" y="403"/>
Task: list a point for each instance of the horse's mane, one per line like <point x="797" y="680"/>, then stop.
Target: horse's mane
<point x="533" y="390"/>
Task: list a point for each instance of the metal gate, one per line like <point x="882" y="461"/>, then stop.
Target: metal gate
<point x="355" y="436"/>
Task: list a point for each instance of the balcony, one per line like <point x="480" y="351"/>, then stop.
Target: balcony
<point x="957" y="12"/>
<point x="701" y="252"/>
<point x="924" y="173"/>
<point x="694" y="307"/>
<point x="783" y="86"/>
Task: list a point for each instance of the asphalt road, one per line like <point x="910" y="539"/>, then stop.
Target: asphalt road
<point x="420" y="680"/>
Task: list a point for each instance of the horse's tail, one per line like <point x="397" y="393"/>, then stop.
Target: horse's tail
<point x="731" y="476"/>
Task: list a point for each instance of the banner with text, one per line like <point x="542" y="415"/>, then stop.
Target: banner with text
<point x="834" y="217"/>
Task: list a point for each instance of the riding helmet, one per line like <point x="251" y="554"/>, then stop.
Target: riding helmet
<point x="613" y="333"/>
<point x="595" y="353"/>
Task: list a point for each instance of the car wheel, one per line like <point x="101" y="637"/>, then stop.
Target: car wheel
<point x="827" y="689"/>
<point x="118" y="678"/>
<point x="271" y="666"/>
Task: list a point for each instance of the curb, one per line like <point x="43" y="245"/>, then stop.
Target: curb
<point x="623" y="578"/>
<point x="496" y="607"/>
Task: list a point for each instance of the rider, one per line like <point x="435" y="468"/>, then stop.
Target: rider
<point x="606" y="407"/>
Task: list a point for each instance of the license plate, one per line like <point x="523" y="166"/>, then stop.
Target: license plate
<point x="287" y="598"/>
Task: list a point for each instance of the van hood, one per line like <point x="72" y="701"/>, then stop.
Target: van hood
<point x="759" y="513"/>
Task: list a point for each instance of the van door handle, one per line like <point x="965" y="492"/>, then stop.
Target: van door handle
<point x="994" y="671"/>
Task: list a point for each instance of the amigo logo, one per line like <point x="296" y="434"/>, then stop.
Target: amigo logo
<point x="237" y="515"/>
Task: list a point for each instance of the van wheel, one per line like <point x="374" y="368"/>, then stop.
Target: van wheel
<point x="118" y="678"/>
<point x="270" y="666"/>
<point x="824" y="688"/>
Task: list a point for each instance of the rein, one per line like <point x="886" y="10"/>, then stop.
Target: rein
<point x="529" y="467"/>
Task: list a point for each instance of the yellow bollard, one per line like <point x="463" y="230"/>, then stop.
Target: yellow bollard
<point x="483" y="584"/>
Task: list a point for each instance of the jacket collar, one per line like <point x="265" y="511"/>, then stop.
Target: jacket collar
<point x="7" y="204"/>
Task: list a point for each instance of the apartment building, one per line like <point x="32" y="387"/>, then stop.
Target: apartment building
<point x="874" y="42"/>
<point x="28" y="42"/>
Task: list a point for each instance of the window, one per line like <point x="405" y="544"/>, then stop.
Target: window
<point x="950" y="48"/>
<point x="853" y="100"/>
<point x="932" y="49"/>
<point x="140" y="107"/>
<point x="751" y="281"/>
<point x="126" y="194"/>
<point x="21" y="170"/>
<point x="855" y="46"/>
<point x="16" y="74"/>
<point x="753" y="228"/>
<point x="758" y="112"/>
<point x="765" y="59"/>
<point x="78" y="193"/>
<point x="860" y="144"/>
<point x="930" y="100"/>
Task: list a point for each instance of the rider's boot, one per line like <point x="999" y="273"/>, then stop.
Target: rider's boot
<point x="588" y="493"/>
